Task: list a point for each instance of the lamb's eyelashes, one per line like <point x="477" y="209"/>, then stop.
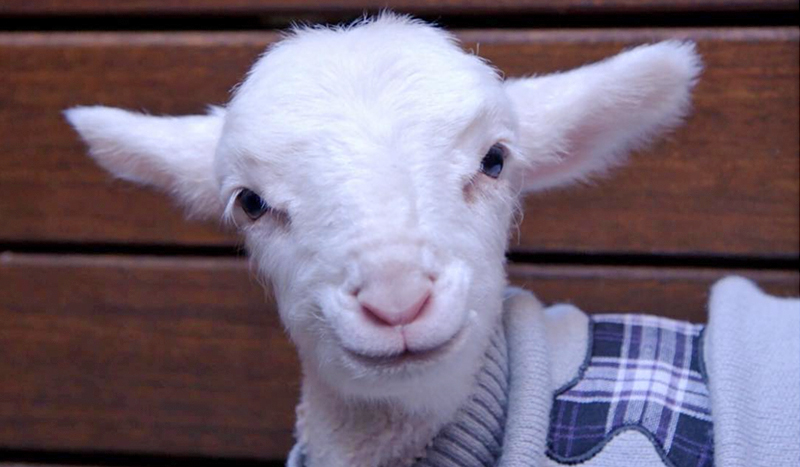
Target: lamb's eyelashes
<point x="490" y="169"/>
<point x="250" y="207"/>
<point x="492" y="162"/>
<point x="252" y="204"/>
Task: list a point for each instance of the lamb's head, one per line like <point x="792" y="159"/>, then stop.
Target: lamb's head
<point x="374" y="172"/>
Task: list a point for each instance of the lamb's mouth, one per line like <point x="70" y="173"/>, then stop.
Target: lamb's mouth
<point x="409" y="357"/>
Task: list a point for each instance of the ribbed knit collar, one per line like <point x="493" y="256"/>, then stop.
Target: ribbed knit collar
<point x="475" y="437"/>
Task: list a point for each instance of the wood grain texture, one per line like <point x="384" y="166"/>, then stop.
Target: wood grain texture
<point x="142" y="355"/>
<point x="185" y="356"/>
<point x="63" y="7"/>
<point x="724" y="184"/>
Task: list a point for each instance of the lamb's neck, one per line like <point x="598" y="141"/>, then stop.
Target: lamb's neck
<point x="345" y="433"/>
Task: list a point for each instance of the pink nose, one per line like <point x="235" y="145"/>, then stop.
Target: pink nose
<point x="395" y="301"/>
<point x="395" y="316"/>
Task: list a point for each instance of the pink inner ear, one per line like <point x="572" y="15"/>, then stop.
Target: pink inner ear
<point x="580" y="146"/>
<point x="586" y="120"/>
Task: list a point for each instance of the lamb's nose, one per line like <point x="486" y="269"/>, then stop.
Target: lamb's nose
<point x="393" y="300"/>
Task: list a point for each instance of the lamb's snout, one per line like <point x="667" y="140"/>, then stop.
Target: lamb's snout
<point x="397" y="302"/>
<point x="395" y="295"/>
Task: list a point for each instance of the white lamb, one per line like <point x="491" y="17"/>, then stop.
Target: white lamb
<point x="375" y="171"/>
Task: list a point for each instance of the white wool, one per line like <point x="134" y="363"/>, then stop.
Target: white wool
<point x="367" y="143"/>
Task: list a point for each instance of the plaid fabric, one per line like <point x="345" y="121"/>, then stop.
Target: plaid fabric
<point x="644" y="373"/>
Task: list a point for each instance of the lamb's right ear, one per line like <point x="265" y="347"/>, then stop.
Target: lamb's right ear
<point x="579" y="123"/>
<point x="173" y="154"/>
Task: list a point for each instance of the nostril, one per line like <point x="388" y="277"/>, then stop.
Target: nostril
<point x="385" y="316"/>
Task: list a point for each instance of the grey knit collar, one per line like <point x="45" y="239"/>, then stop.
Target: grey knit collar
<point x="475" y="437"/>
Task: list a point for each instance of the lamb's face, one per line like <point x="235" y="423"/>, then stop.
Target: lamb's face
<point x="385" y="165"/>
<point x="389" y="162"/>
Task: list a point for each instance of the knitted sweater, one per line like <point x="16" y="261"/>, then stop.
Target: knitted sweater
<point x="559" y="388"/>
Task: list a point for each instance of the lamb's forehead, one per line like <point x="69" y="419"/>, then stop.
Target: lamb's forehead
<point x="392" y="71"/>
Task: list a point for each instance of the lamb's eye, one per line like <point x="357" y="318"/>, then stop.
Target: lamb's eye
<point x="492" y="163"/>
<point x="252" y="204"/>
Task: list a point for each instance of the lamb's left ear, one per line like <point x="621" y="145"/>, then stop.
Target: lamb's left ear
<point x="583" y="121"/>
<point x="173" y="154"/>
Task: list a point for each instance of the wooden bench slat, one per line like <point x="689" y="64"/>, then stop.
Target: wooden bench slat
<point x="184" y="356"/>
<point x="724" y="184"/>
<point x="196" y="7"/>
<point x="142" y="355"/>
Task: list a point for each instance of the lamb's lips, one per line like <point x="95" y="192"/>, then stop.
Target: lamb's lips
<point x="408" y="355"/>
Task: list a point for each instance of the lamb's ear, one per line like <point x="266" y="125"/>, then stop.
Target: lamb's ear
<point x="584" y="121"/>
<point x="173" y="154"/>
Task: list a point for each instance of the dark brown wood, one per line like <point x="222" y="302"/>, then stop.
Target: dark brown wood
<point x="724" y="184"/>
<point x="185" y="356"/>
<point x="62" y="7"/>
<point x="679" y="293"/>
<point x="142" y="355"/>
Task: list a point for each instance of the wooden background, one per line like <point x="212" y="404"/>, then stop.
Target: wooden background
<point x="129" y="336"/>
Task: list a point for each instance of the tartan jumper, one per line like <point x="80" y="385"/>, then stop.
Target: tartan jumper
<point x="635" y="392"/>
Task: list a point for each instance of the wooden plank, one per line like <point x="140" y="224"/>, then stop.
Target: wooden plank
<point x="725" y="184"/>
<point x="142" y="355"/>
<point x="679" y="293"/>
<point x="185" y="357"/>
<point x="120" y="7"/>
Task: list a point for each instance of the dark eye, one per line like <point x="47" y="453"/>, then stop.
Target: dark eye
<point x="492" y="163"/>
<point x="252" y="204"/>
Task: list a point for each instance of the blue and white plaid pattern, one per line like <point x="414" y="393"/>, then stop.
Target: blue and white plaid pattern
<point x="644" y="373"/>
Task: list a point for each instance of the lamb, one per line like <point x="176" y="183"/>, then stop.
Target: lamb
<point x="374" y="171"/>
